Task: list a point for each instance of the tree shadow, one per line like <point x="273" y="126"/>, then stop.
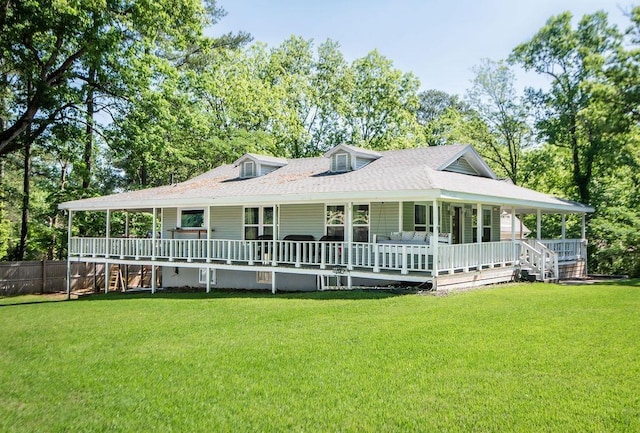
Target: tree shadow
<point x="353" y="295"/>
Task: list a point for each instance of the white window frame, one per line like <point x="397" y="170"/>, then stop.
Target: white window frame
<point x="367" y="225"/>
<point x="202" y="276"/>
<point x="261" y="225"/>
<point x="337" y="157"/>
<point x="249" y="173"/>
<point x="427" y="217"/>
<point x="204" y="218"/>
<point x="487" y="223"/>
<point x="344" y="218"/>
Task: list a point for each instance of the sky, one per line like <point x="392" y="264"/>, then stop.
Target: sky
<point x="440" y="41"/>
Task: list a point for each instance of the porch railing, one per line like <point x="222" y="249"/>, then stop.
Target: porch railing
<point x="378" y="257"/>
<point x="324" y="255"/>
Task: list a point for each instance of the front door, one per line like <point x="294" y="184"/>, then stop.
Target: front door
<point x="456" y="225"/>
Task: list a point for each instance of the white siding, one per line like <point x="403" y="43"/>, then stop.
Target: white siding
<point x="361" y="162"/>
<point x="495" y="224"/>
<point x="462" y="166"/>
<point x="226" y="222"/>
<point x="169" y="221"/>
<point x="266" y="169"/>
<point x="302" y="219"/>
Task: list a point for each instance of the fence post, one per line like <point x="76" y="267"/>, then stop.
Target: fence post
<point x="44" y="276"/>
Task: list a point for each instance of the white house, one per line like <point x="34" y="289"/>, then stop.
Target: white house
<point x="351" y="217"/>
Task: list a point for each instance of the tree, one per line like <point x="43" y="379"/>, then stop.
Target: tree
<point x="383" y="104"/>
<point x="434" y="105"/>
<point x="493" y="97"/>
<point x="580" y="112"/>
<point x="50" y="46"/>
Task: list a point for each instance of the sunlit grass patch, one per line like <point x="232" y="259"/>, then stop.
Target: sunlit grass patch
<point x="534" y="357"/>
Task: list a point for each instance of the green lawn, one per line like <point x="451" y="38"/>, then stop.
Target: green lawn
<point x="531" y="357"/>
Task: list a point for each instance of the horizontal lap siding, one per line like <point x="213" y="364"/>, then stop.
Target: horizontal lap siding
<point x="302" y="219"/>
<point x="384" y="218"/>
<point x="227" y="222"/>
<point x="408" y="217"/>
<point x="169" y="221"/>
<point x="495" y="224"/>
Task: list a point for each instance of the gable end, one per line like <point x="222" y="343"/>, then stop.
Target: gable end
<point x="461" y="165"/>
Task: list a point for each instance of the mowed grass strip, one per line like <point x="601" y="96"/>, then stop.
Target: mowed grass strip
<point x="533" y="357"/>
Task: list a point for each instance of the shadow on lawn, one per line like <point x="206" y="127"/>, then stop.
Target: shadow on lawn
<point x="354" y="295"/>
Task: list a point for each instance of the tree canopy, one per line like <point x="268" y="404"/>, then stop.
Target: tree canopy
<point x="100" y="96"/>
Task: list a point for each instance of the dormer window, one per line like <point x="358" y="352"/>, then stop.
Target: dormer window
<point x="340" y="163"/>
<point x="346" y="158"/>
<point x="252" y="165"/>
<point x="248" y="169"/>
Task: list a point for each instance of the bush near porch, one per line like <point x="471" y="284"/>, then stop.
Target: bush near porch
<point x="528" y="357"/>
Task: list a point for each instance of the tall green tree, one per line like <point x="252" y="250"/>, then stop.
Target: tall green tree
<point x="383" y="104"/>
<point x="494" y="99"/>
<point x="580" y="111"/>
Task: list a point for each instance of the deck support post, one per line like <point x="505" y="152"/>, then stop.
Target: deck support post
<point x="539" y="224"/>
<point x="107" y="276"/>
<point x="208" y="279"/>
<point x="153" y="279"/>
<point x="69" y="254"/>
<point x="273" y="282"/>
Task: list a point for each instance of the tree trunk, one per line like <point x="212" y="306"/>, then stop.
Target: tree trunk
<point x="88" y="144"/>
<point x="26" y="192"/>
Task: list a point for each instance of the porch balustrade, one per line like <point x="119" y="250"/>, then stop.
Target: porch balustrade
<point x="324" y="255"/>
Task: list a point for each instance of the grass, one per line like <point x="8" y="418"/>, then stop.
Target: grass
<point x="516" y="358"/>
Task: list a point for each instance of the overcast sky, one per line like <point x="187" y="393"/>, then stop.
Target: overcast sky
<point x="438" y="40"/>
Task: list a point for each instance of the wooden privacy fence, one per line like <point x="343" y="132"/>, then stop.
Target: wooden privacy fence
<point x="47" y="276"/>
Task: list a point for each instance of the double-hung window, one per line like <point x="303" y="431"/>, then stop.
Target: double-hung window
<point x="258" y="221"/>
<point x="335" y="218"/>
<point x="420" y="218"/>
<point x="360" y="220"/>
<point x="486" y="225"/>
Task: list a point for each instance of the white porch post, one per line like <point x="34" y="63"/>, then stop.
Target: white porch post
<point x="153" y="234"/>
<point x="480" y="223"/>
<point x="539" y="224"/>
<point x="108" y="234"/>
<point x="584" y="226"/>
<point x="349" y="235"/>
<point x="434" y="238"/>
<point x="513" y="224"/>
<point x="400" y="216"/>
<point x="276" y="222"/>
<point x="208" y="279"/>
<point x="69" y="255"/>
<point x="564" y="227"/>
<point x="208" y="249"/>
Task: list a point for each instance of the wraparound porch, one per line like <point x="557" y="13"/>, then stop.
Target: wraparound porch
<point x="354" y="260"/>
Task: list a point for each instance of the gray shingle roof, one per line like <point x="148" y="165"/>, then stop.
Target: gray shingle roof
<point x="397" y="173"/>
